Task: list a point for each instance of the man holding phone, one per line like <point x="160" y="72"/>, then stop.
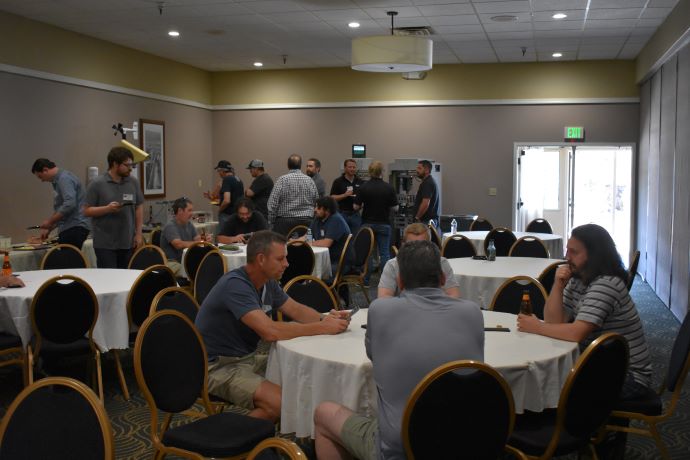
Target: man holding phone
<point x="113" y="201"/>
<point x="241" y="225"/>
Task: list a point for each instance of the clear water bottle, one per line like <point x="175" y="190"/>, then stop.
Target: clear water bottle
<point x="491" y="251"/>
<point x="310" y="237"/>
<point x="453" y="226"/>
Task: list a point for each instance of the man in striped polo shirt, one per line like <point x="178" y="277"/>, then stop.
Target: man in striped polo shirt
<point x="589" y="298"/>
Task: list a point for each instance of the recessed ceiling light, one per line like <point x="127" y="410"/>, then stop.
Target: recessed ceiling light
<point x="258" y="64"/>
<point x="557" y="55"/>
<point x="504" y="18"/>
<point x="353" y="25"/>
<point x="173" y="33"/>
<point x="559" y="16"/>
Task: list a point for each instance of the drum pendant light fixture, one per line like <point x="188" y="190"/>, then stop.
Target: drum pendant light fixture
<point x="392" y="53"/>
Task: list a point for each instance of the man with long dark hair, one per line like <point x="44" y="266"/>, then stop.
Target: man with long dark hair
<point x="589" y="298"/>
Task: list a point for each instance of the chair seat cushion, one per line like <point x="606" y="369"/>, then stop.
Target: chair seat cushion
<point x="220" y="435"/>
<point x="533" y="431"/>
<point x="52" y="349"/>
<point x="648" y="404"/>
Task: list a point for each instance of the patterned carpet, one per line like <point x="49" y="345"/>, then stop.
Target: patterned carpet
<point x="130" y="419"/>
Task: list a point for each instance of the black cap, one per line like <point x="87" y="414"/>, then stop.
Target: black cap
<point x="224" y="165"/>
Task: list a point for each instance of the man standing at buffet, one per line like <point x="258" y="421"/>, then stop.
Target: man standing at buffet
<point x="426" y="202"/>
<point x="114" y="203"/>
<point x="260" y="188"/>
<point x="68" y="203"/>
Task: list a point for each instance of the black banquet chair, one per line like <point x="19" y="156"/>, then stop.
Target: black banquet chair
<point x="435" y="237"/>
<point x="584" y="405"/>
<point x="63" y="256"/>
<point x="548" y="275"/>
<point x="170" y="363"/>
<point x="539" y="226"/>
<point x="300" y="257"/>
<point x="462" y="409"/>
<point x="503" y="240"/>
<point x="178" y="299"/>
<point x="156" y="237"/>
<point x="12" y="352"/>
<point x="481" y="224"/>
<point x="147" y="256"/>
<point x="363" y="245"/>
<point x="458" y="246"/>
<point x="56" y="418"/>
<point x="298" y="231"/>
<point x="286" y="447"/>
<point x="311" y="291"/>
<point x="632" y="269"/>
<point x="193" y="256"/>
<point x="211" y="268"/>
<point x="509" y="295"/>
<point x="529" y="246"/>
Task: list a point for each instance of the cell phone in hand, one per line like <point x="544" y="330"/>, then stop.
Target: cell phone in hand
<point x="353" y="310"/>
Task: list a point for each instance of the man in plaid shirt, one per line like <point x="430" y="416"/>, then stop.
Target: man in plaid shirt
<point x="292" y="199"/>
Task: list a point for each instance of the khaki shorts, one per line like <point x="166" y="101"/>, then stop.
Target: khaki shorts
<point x="236" y="379"/>
<point x="359" y="437"/>
<point x="175" y="266"/>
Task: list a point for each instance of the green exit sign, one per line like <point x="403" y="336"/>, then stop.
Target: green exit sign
<point x="574" y="133"/>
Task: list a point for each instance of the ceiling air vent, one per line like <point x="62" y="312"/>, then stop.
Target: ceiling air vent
<point x="422" y="31"/>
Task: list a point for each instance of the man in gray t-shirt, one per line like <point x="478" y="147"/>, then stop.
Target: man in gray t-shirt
<point x="179" y="233"/>
<point x="113" y="201"/>
<point x="388" y="284"/>
<point x="445" y="329"/>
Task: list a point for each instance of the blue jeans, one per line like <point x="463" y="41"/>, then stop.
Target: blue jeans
<point x="382" y="235"/>
<point x="354" y="221"/>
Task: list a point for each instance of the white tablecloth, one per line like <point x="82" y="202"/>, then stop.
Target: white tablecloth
<point x="111" y="287"/>
<point x="26" y="260"/>
<point x="235" y="259"/>
<point x="480" y="279"/>
<point x="208" y="227"/>
<point x="554" y="243"/>
<point x="335" y="368"/>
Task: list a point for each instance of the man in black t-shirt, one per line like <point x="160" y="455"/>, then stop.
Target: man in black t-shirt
<point x="261" y="186"/>
<point x="244" y="221"/>
<point x="344" y="190"/>
<point x="230" y="192"/>
<point x="426" y="203"/>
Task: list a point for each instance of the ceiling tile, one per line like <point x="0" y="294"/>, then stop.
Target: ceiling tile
<point x="573" y="15"/>
<point x="514" y="35"/>
<point x="597" y="4"/>
<point x="450" y="38"/>
<point x="485" y="18"/>
<point x="607" y="23"/>
<point x="618" y="13"/>
<point x="558" y="5"/>
<point x="468" y="29"/>
<point x="452" y="20"/>
<point x="650" y="13"/>
<point x="403" y="12"/>
<point x="446" y="10"/>
<point x="559" y="25"/>
<point x="272" y="6"/>
<point x="507" y="26"/>
<point x="515" y="6"/>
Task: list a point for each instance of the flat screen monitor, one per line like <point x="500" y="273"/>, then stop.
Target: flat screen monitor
<point x="359" y="151"/>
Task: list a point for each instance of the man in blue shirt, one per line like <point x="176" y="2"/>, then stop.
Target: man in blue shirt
<point x="329" y="229"/>
<point x="68" y="204"/>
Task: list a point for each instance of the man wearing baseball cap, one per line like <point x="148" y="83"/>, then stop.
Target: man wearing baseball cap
<point x="261" y="186"/>
<point x="231" y="191"/>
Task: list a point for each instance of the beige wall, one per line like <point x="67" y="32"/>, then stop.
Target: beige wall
<point x="474" y="144"/>
<point x="71" y="126"/>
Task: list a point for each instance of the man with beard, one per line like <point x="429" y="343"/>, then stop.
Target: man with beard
<point x="113" y="201"/>
<point x="344" y="190"/>
<point x="261" y="186"/>
<point x="243" y="222"/>
<point x="426" y="203"/>
<point x="314" y="171"/>
<point x="236" y="315"/>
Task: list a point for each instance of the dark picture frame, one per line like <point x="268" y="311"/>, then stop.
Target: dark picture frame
<point x="152" y="135"/>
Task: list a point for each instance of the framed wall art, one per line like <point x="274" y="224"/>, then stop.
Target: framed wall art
<point x="152" y="135"/>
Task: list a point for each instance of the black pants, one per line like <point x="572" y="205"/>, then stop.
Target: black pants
<point x="283" y="225"/>
<point x="112" y="258"/>
<point x="74" y="236"/>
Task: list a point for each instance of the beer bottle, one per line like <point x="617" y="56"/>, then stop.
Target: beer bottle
<point x="526" y="304"/>
<point x="6" y="266"/>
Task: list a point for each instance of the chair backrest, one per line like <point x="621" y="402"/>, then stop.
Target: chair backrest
<point x="435" y="238"/>
<point x="509" y="295"/>
<point x="211" y="268"/>
<point x="548" y="276"/>
<point x="458" y="246"/>
<point x="300" y="257"/>
<point x="503" y="240"/>
<point x="539" y="226"/>
<point x="363" y="246"/>
<point x="286" y="447"/>
<point x="529" y="246"/>
<point x="480" y="224"/>
<point x="170" y="363"/>
<point x="147" y="256"/>
<point x="156" y="237"/>
<point x="178" y="299"/>
<point x="297" y="231"/>
<point x="632" y="269"/>
<point x="679" y="363"/>
<point x="587" y="399"/>
<point x="341" y="262"/>
<point x="311" y="291"/>
<point x="63" y="256"/>
<point x="193" y="256"/>
<point x="57" y="418"/>
<point x="462" y="406"/>
<point x="63" y="310"/>
<point x="394" y="250"/>
<point x="149" y="283"/>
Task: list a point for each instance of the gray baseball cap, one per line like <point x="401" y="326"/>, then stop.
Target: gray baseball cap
<point x="255" y="164"/>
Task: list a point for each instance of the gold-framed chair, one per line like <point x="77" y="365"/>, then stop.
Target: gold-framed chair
<point x="301" y="261"/>
<point x="539" y="225"/>
<point x="632" y="269"/>
<point x="193" y="256"/>
<point x="313" y="292"/>
<point x="481" y="224"/>
<point x="178" y="299"/>
<point x="435" y="237"/>
<point x="63" y="256"/>
<point x="503" y="237"/>
<point x="11" y="347"/>
<point x="461" y="406"/>
<point x="341" y="266"/>
<point x="508" y="296"/>
<point x="284" y="446"/>
<point x="147" y="256"/>
<point x="171" y="367"/>
<point x="298" y="231"/>
<point x="156" y="236"/>
<point x="458" y="246"/>
<point x="649" y="409"/>
<point x="548" y="275"/>
<point x="211" y="268"/>
<point x="529" y="246"/>
<point x="363" y="245"/>
<point x="63" y="313"/>
<point x="584" y="405"/>
<point x="57" y="418"/>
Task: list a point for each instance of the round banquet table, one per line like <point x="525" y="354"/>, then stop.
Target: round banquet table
<point x="554" y="243"/>
<point x="335" y="368"/>
<point x="22" y="260"/>
<point x="235" y="259"/>
<point x="480" y="279"/>
<point x="111" y="287"/>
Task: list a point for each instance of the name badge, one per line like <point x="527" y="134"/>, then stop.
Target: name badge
<point x="266" y="308"/>
<point x="323" y="233"/>
<point x="127" y="197"/>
